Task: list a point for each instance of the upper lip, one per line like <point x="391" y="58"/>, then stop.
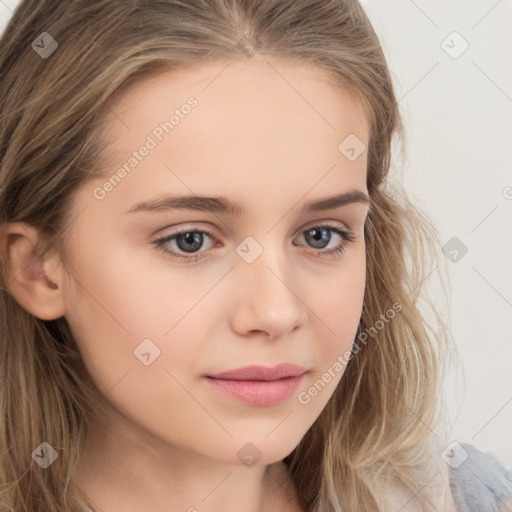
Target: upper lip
<point x="258" y="372"/>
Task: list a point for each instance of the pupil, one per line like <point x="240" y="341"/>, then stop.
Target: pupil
<point x="193" y="240"/>
<point x="320" y="235"/>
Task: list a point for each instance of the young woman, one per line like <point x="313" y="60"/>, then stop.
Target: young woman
<point x="210" y="292"/>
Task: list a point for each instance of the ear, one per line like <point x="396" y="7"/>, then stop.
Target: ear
<point x="35" y="282"/>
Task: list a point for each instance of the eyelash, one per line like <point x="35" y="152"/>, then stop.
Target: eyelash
<point x="161" y="243"/>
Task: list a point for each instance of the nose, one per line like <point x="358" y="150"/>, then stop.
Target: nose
<point x="269" y="298"/>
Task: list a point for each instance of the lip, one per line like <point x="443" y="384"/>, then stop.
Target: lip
<point x="259" y="372"/>
<point x="258" y="385"/>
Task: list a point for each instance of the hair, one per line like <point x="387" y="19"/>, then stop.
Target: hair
<point x="377" y="429"/>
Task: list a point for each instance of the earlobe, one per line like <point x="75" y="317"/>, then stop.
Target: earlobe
<point x="33" y="280"/>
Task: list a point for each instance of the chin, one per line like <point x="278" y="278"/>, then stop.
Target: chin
<point x="256" y="452"/>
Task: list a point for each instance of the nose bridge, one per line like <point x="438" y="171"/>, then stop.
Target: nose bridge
<point x="269" y="300"/>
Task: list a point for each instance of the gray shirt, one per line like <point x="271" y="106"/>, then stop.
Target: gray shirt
<point x="481" y="483"/>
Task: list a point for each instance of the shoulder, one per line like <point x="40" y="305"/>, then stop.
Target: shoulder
<point x="479" y="481"/>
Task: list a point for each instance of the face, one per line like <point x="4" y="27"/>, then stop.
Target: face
<point x="154" y="312"/>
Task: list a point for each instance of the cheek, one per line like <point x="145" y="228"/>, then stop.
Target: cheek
<point x="339" y="300"/>
<point x="139" y="332"/>
<point x="338" y="308"/>
<point x="120" y="310"/>
<point x="338" y="311"/>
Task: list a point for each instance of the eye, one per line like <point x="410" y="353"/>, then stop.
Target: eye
<point x="187" y="240"/>
<point x="191" y="240"/>
<point x="319" y="237"/>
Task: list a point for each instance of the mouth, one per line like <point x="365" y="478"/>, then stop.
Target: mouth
<point x="258" y="372"/>
<point x="257" y="392"/>
<point x="258" y="385"/>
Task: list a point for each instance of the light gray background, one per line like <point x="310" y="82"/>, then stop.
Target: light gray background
<point x="458" y="114"/>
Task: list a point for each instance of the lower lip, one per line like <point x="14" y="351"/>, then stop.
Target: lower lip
<point x="258" y="392"/>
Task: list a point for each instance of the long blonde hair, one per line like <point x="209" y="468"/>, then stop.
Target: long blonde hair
<point x="378" y="425"/>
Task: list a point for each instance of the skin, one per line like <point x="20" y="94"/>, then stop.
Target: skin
<point x="166" y="441"/>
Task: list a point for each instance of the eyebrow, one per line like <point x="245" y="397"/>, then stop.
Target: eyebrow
<point x="227" y="206"/>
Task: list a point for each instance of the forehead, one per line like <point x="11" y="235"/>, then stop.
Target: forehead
<point x="214" y="78"/>
<point x="257" y="125"/>
<point x="241" y="92"/>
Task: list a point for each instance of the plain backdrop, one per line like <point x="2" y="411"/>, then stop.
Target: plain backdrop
<point x="451" y="62"/>
<point x="452" y="65"/>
